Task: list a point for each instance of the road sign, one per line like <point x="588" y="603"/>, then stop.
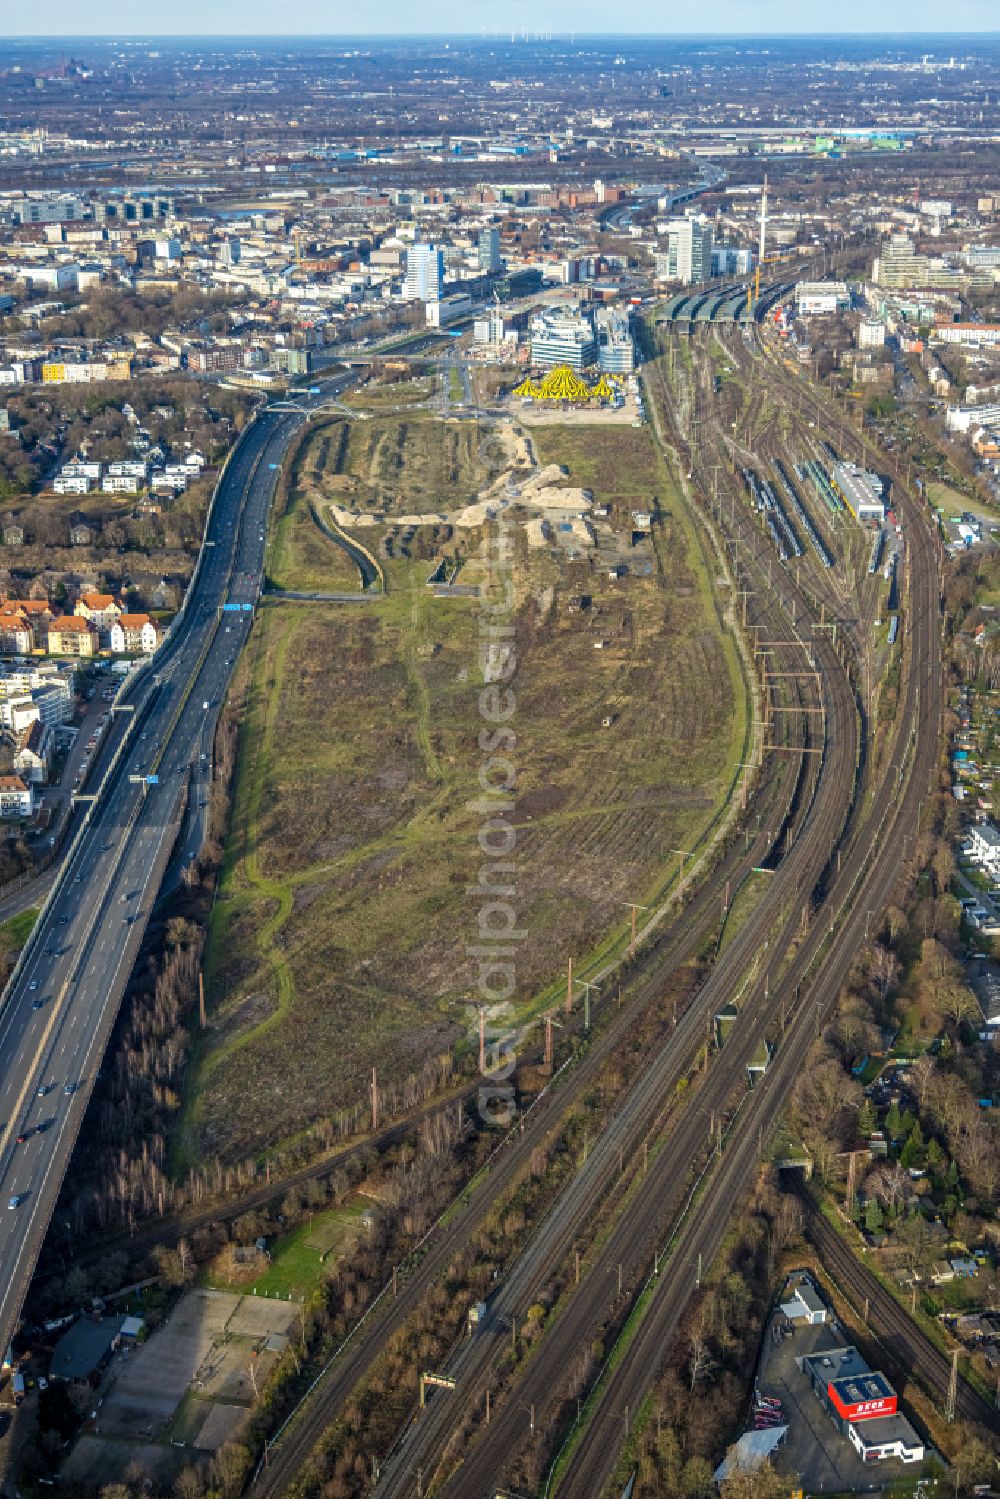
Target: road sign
<point x="229" y="608"/>
<point x="247" y="608"/>
<point x="152" y="780"/>
<point x="274" y="465"/>
<point x="314" y="390"/>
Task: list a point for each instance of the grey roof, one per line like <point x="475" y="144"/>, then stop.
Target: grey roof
<point x="810" y="1297"/>
<point x="750" y="1451"/>
<point x="882" y="1429"/>
<point x="82" y="1348"/>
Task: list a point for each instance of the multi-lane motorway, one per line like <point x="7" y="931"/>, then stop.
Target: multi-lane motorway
<point x="59" y="1009"/>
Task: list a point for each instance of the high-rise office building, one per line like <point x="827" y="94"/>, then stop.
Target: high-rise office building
<point x="424" y="273"/>
<point x="489" y="249"/>
<point x="689" y="251"/>
<point x="563" y="335"/>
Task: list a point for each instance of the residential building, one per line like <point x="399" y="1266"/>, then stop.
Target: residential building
<point x="33" y="756"/>
<point x="82" y="466"/>
<point x="121" y="484"/>
<point x="100" y="609"/>
<point x="984" y="847"/>
<point x="424" y="273"/>
<point x="72" y="484"/>
<point x="16" y="799"/>
<point x="69" y="635"/>
<point x="16" y="638"/>
<point x="135" y="633"/>
<point x="871" y="334"/>
<point x="35" y="613"/>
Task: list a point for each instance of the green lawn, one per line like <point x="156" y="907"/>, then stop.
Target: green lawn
<point x="15" y="932"/>
<point x="300" y="1259"/>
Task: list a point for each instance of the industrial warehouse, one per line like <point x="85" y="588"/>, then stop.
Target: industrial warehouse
<point x="862" y="1405"/>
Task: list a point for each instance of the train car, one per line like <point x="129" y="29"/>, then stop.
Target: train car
<point x="893" y="629"/>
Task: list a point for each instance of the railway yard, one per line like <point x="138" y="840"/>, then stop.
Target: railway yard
<point x="832" y="807"/>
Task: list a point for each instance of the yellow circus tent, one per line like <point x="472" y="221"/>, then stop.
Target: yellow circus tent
<point x="561" y="384"/>
<point x="603" y="390"/>
<point x="528" y="389"/>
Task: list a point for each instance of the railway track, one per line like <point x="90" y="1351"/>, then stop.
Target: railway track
<point x="480" y="1465"/>
<point x="593" y="1460"/>
<point x="776" y="805"/>
<point x="868" y="880"/>
<point x="796" y="792"/>
<point x="909" y="1347"/>
<point x="627" y="1250"/>
<point x="771" y="805"/>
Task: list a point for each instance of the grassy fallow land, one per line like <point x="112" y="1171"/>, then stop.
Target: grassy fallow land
<point x="338" y="941"/>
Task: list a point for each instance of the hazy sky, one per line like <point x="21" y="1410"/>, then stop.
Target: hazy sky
<point x="333" y="17"/>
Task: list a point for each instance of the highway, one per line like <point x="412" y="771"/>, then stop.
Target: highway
<point x="60" y="1006"/>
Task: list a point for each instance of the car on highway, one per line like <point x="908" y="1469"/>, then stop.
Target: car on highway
<point x="43" y="1126"/>
<point x="15" y="1201"/>
<point x="33" y="984"/>
<point x="70" y="1089"/>
<point x="22" y="1138"/>
<point x="36" y="1004"/>
<point x="42" y="1089"/>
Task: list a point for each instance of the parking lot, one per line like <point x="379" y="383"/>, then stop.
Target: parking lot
<point x="814" y="1451"/>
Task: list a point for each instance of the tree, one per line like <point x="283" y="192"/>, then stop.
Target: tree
<point x="759" y="1482"/>
<point x="172" y="1267"/>
<point x="885" y="968"/>
<point x="696" y="1479"/>
<point x="866" y="1119"/>
<point x="956" y="1002"/>
<point x="188" y="1484"/>
<point x="891" y="1185"/>
<point x="976" y="1461"/>
<point x="56" y="1411"/>
<point x="873" y="1216"/>
<point x="229" y="1468"/>
<point x="912" y="1153"/>
<point x="701" y="1361"/>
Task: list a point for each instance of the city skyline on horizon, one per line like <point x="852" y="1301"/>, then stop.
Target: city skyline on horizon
<point x="776" y="18"/>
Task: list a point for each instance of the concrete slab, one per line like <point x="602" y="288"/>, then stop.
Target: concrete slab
<point x="150" y="1382"/>
<point x="257" y="1316"/>
<point x="96" y="1460"/>
<point x="223" y="1424"/>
